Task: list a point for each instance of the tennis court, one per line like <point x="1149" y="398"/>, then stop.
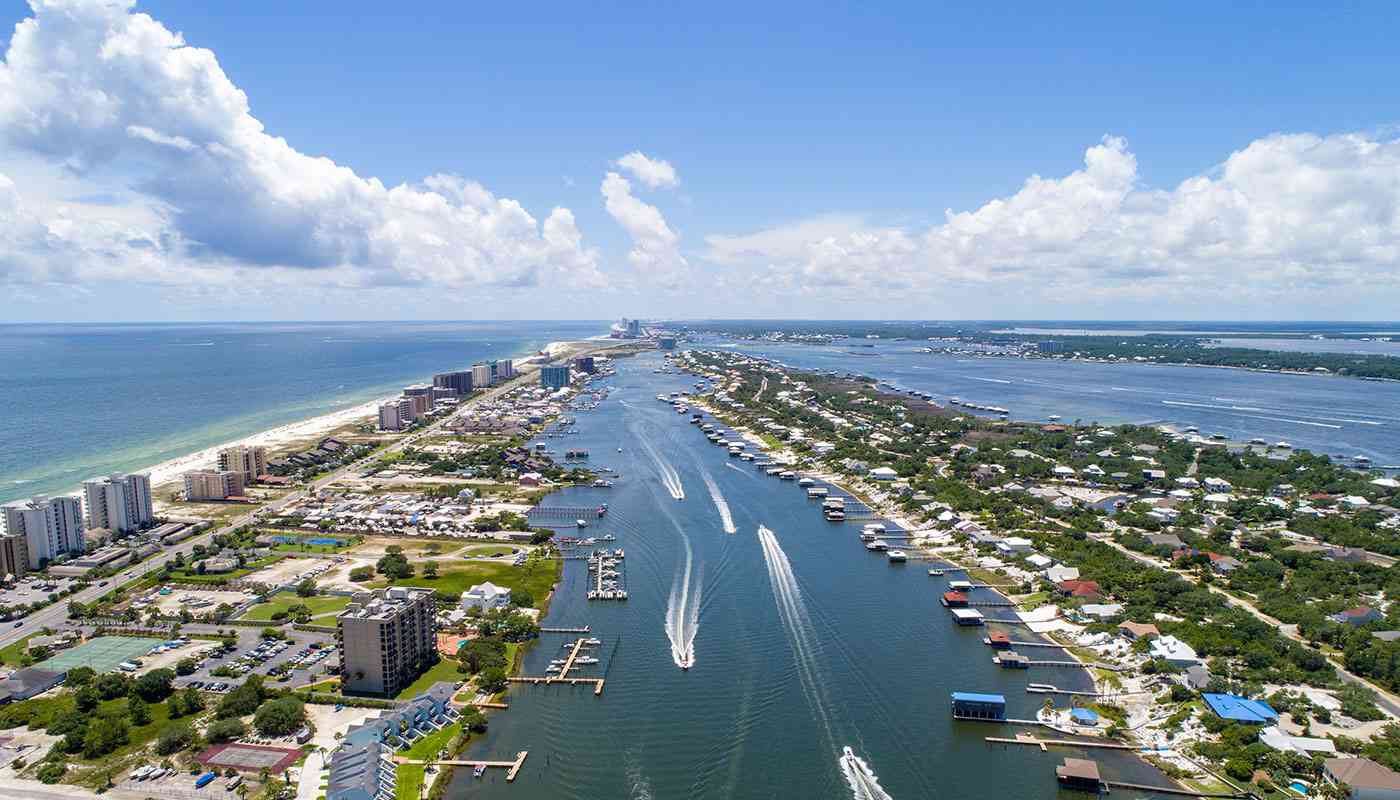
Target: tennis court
<point x="103" y="654"/>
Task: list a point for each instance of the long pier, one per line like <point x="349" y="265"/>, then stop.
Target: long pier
<point x="513" y="767"/>
<point x="1142" y="787"/>
<point x="563" y="676"/>
<point x="568" y="513"/>
<point x="584" y="629"/>
<point x="1044" y="743"/>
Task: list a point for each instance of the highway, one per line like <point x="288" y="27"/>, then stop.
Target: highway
<point x="55" y="614"/>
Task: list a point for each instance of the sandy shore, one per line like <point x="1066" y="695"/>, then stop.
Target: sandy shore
<point x="170" y="471"/>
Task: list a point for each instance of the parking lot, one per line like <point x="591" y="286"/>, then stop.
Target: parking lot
<point x="305" y="653"/>
<point x="34" y="589"/>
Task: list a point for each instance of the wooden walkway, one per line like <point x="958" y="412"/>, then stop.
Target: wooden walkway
<point x="1176" y="790"/>
<point x="512" y="766"/>
<point x="1045" y="743"/>
<point x="597" y="682"/>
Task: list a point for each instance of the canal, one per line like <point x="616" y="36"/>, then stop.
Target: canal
<point x="804" y="643"/>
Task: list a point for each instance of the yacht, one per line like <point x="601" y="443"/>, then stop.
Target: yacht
<point x="876" y="547"/>
<point x="582" y="523"/>
<point x="898" y="556"/>
<point x="788" y="475"/>
<point x="1283" y="445"/>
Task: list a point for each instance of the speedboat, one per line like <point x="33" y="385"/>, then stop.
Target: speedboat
<point x="898" y="556"/>
<point x="480" y="769"/>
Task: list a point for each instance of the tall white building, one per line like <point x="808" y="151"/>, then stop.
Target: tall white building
<point x="118" y="503"/>
<point x="481" y="375"/>
<point x="251" y="461"/>
<point x="51" y="526"/>
<point x="398" y="414"/>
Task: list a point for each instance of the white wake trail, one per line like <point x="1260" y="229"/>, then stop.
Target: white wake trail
<point x="669" y="477"/>
<point x="743" y="472"/>
<point x="725" y="517"/>
<point x="862" y="780"/>
<point x="683" y="610"/>
<point x="793" y="611"/>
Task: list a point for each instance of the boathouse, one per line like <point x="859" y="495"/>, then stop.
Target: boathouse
<point x="1079" y="773"/>
<point x="1013" y="660"/>
<point x="999" y="639"/>
<point x="971" y="705"/>
<point x="967" y="616"/>
<point x="954" y="600"/>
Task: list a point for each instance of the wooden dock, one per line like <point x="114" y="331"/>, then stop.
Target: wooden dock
<point x="1043" y="744"/>
<point x="512" y="766"/>
<point x="597" y="682"/>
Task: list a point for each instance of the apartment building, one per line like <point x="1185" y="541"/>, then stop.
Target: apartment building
<point x="386" y="639"/>
<point x="51" y="527"/>
<point x="460" y="380"/>
<point x="397" y="414"/>
<point x="250" y="461"/>
<point x="554" y="377"/>
<point x="14" y="556"/>
<point x="213" y="484"/>
<point x="118" y="503"/>
<point x="481" y="375"/>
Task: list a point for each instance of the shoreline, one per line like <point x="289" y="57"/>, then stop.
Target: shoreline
<point x="168" y="471"/>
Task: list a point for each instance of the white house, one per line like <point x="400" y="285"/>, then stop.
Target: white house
<point x="883" y="474"/>
<point x="1173" y="651"/>
<point x="485" y="596"/>
<point x="1014" y="544"/>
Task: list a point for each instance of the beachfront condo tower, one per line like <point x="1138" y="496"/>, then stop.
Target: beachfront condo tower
<point x="387" y="638"/>
<point x="51" y="527"/>
<point x="118" y="503"/>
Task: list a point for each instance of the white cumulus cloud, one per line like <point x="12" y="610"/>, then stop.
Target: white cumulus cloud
<point x="115" y="97"/>
<point x="1288" y="214"/>
<point x="654" y="173"/>
<point x="655" y="253"/>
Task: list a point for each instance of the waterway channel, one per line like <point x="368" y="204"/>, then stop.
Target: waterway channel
<point x="801" y="648"/>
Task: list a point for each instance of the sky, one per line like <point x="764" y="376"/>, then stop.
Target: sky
<point x="260" y="160"/>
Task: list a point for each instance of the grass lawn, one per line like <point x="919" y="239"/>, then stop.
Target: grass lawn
<point x="408" y="782"/>
<point x="262" y="612"/>
<point x="537" y="577"/>
<point x="429" y="746"/>
<point x="10" y="656"/>
<point x="223" y="577"/>
<point x="444" y="670"/>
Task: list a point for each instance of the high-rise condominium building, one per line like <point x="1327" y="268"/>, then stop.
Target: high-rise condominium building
<point x="554" y="377"/>
<point x="386" y="639"/>
<point x="118" y="503"/>
<point x="213" y="484"/>
<point x="481" y="375"/>
<point x="398" y="414"/>
<point x="460" y="380"/>
<point x="505" y="369"/>
<point x="51" y="527"/>
<point x="251" y="461"/>
<point x="14" y="556"/>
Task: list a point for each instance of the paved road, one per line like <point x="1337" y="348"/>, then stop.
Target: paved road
<point x="54" y="615"/>
<point x="1388" y="702"/>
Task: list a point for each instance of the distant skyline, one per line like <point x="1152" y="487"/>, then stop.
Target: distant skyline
<point x="254" y="161"/>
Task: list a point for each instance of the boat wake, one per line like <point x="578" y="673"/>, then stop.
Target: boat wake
<point x="669" y="477"/>
<point x="725" y="517"/>
<point x="864" y="785"/>
<point x="793" y="611"/>
<point x="683" y="610"/>
<point x="743" y="472"/>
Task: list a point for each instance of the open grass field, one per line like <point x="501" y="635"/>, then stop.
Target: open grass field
<point x="184" y="576"/>
<point x="444" y="670"/>
<point x="320" y="605"/>
<point x="536" y="576"/>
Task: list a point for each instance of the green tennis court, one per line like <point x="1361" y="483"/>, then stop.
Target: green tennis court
<point x="103" y="654"/>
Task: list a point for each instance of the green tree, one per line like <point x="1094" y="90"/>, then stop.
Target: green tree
<point x="155" y="685"/>
<point x="306" y="588"/>
<point x="280" y="717"/>
<point x="86" y="699"/>
<point x="225" y="730"/>
<point x="137" y="710"/>
<point x="492" y="680"/>
<point x="174" y="738"/>
<point x="105" y="735"/>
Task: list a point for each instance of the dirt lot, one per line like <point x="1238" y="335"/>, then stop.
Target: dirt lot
<point x="291" y="570"/>
<point x="188" y="598"/>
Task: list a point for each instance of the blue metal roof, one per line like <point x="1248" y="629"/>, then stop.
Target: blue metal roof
<point x="974" y="697"/>
<point x="1239" y="709"/>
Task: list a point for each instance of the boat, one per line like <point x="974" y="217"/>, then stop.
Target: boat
<point x="582" y="523"/>
<point x="478" y="770"/>
<point x="1283" y="445"/>
<point x="593" y="642"/>
<point x="586" y="660"/>
<point x="1055" y="417"/>
<point x="898" y="556"/>
<point x="876" y="547"/>
<point x="619" y="449"/>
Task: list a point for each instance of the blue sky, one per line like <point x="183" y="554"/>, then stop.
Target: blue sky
<point x="842" y="133"/>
